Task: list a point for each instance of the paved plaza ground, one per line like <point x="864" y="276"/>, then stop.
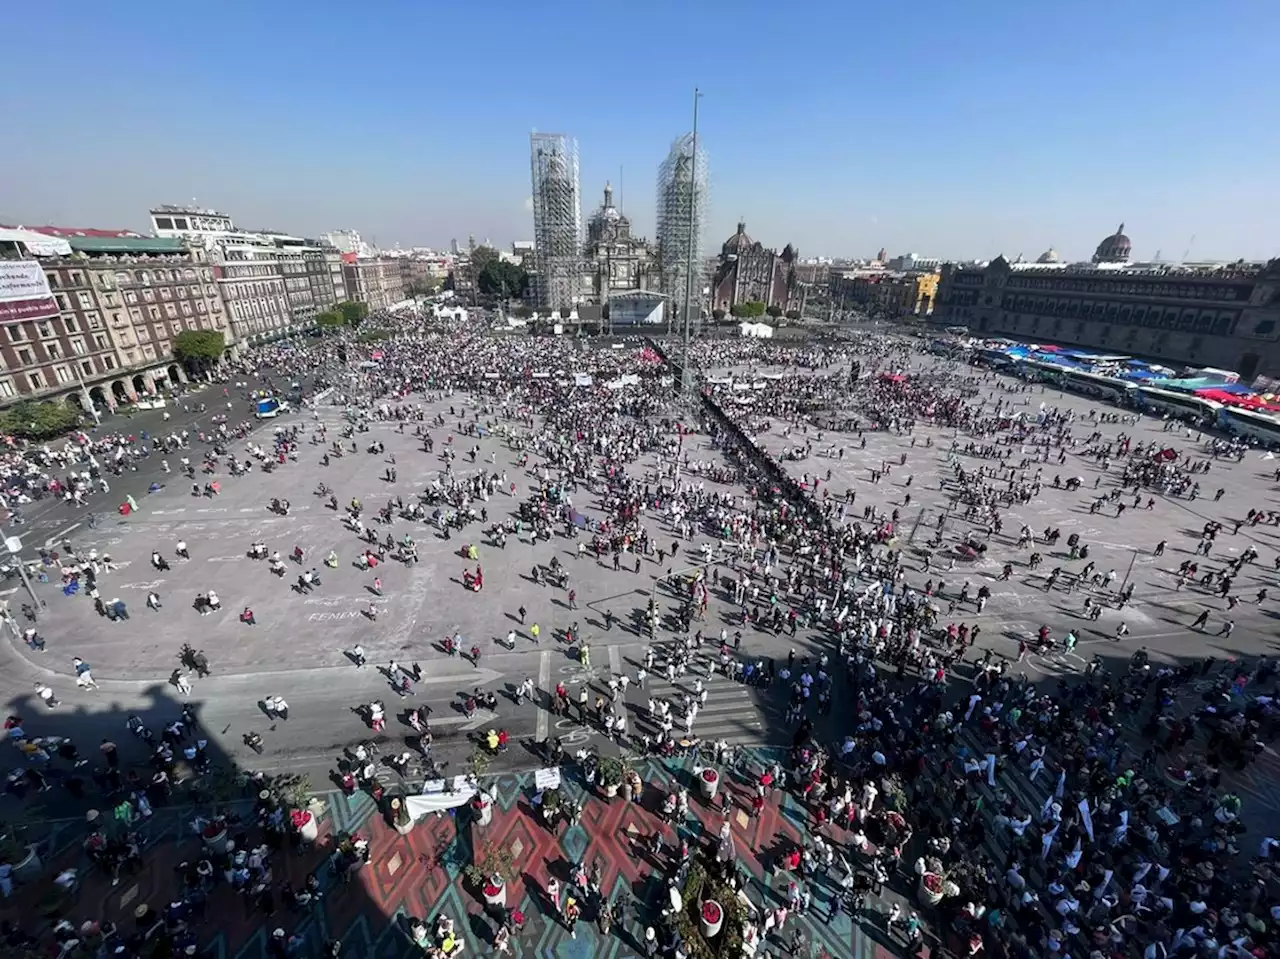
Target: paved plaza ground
<point x="298" y="647"/>
<point x="422" y="875"/>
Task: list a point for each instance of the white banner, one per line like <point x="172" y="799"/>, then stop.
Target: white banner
<point x="548" y="778"/>
<point x="1087" y="817"/>
<point x="24" y="291"/>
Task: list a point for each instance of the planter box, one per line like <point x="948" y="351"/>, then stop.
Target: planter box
<point x="708" y="783"/>
<point x="29" y="867"/>
<point x="217" y="842"/>
<point x="711" y="918"/>
<point x="309" y="831"/>
<point x="494" y="895"/>
<point x="926" y="895"/>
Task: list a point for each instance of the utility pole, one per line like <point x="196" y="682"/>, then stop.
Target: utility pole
<point x="687" y="371"/>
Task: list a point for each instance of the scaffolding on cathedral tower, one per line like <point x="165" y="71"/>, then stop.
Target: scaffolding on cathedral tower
<point x="557" y="220"/>
<point x="681" y="220"/>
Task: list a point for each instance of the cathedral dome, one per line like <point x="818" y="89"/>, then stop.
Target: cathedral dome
<point x="739" y="243"/>
<point x="1049" y="256"/>
<point x="1113" y="249"/>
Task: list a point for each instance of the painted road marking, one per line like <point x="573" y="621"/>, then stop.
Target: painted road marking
<point x="544" y="681"/>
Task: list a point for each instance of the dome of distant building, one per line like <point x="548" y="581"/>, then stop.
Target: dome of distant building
<point x="1049" y="256"/>
<point x="1113" y="249"/>
<point x="739" y="243"/>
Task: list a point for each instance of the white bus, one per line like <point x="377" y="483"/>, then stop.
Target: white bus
<point x="1184" y="405"/>
<point x="1095" y="384"/>
<point x="1253" y="424"/>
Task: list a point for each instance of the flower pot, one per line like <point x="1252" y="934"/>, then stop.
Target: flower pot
<point x="610" y="790"/>
<point x="484" y="811"/>
<point x="306" y="824"/>
<point x="29" y="866"/>
<point x="495" y="894"/>
<point x="708" y="783"/>
<point x="711" y="918"/>
<point x="930" y="897"/>
<point x="215" y="841"/>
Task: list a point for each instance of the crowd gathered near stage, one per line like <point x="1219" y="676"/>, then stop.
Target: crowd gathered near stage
<point x="1136" y="849"/>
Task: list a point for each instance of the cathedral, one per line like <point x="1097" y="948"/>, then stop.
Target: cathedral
<point x="615" y="260"/>
<point x="748" y="272"/>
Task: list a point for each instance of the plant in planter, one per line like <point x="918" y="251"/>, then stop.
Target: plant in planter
<point x="612" y="772"/>
<point x="292" y="790"/>
<point x="477" y="763"/>
<point x="893" y="793"/>
<point x="494" y="869"/>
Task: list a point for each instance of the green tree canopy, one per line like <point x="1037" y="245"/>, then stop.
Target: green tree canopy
<point x="482" y="256"/>
<point x="38" y="421"/>
<point x="774" y="311"/>
<point x="353" y="313"/>
<point x="330" y="319"/>
<point x="199" y="349"/>
<point x="752" y="309"/>
<point x="499" y="278"/>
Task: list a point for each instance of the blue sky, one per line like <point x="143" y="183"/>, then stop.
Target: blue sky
<point x="956" y="129"/>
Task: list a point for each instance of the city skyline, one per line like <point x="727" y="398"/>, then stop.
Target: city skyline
<point x="860" y="135"/>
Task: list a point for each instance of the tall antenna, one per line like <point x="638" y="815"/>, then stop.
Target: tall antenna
<point x="1187" y="252"/>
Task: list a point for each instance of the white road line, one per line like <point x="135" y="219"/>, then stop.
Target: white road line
<point x="615" y="660"/>
<point x="57" y="536"/>
<point x="544" y="684"/>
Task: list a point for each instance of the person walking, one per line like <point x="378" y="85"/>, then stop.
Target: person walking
<point x="357" y="655"/>
<point x="153" y="601"/>
<point x="535" y="630"/>
<point x="84" y="675"/>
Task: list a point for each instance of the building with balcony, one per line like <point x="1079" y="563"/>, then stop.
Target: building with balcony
<point x="376" y="281"/>
<point x="879" y="290"/>
<point x="116" y="301"/>
<point x="263" y="275"/>
<point x="1220" y="315"/>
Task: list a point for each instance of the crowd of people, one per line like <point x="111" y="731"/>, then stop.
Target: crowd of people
<point x="1135" y="849"/>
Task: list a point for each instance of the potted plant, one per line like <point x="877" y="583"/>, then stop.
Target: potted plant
<point x="401" y="821"/>
<point x="18" y="853"/>
<point x="712" y="918"/>
<point x="214" y="834"/>
<point x="477" y="763"/>
<point x="305" y="824"/>
<point x="491" y="873"/>
<point x="611" y="775"/>
<point x="934" y="885"/>
<point x="708" y="781"/>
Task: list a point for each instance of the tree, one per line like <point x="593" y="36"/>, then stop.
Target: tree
<point x="793" y="314"/>
<point x="37" y="421"/>
<point x="718" y="315"/>
<point x="198" y="350"/>
<point x="482" y="256"/>
<point x="749" y="310"/>
<point x="499" y="278"/>
<point x="331" y="319"/>
<point x="353" y="313"/>
<point x="774" y="311"/>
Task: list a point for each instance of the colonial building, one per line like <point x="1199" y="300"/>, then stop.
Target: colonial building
<point x="1225" y="316"/>
<point x="747" y="272"/>
<point x="615" y="260"/>
<point x="376" y="281"/>
<point x="896" y="294"/>
<point x="117" y="301"/>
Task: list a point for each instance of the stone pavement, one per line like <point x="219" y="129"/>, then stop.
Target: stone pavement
<point x="422" y="874"/>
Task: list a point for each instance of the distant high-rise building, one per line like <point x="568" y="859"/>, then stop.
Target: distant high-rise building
<point x="557" y="220"/>
<point x="681" y="220"/>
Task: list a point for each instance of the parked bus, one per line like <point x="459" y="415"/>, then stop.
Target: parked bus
<point x="1095" y="384"/>
<point x="1254" y="424"/>
<point x="1176" y="404"/>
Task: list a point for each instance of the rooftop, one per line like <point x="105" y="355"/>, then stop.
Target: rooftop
<point x="75" y="231"/>
<point x="125" y="244"/>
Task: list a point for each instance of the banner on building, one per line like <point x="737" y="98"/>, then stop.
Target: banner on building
<point x="24" y="291"/>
